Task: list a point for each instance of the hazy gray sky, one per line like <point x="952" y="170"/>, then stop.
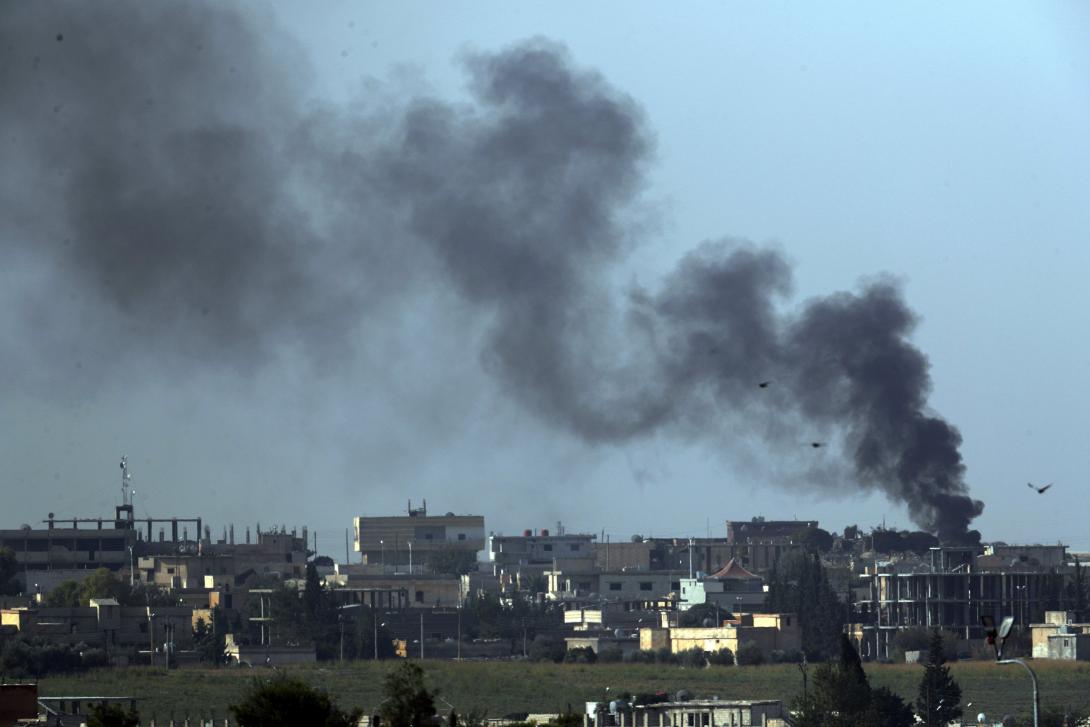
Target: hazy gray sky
<point x="943" y="145"/>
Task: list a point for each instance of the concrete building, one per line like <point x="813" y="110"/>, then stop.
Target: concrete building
<point x="732" y="588"/>
<point x="769" y="631"/>
<point x="397" y="590"/>
<point x="948" y="590"/>
<point x="629" y="586"/>
<point x="1035" y="556"/>
<point x="397" y="542"/>
<point x="596" y="642"/>
<point x="535" y="552"/>
<point x="1059" y="637"/>
<point x="709" y="713"/>
<point x="282" y="554"/>
<point x="267" y="655"/>
<point x="18" y="704"/>
<point x="73" y="545"/>
<point x="742" y="531"/>
<point x="119" y="630"/>
<point x="632" y="555"/>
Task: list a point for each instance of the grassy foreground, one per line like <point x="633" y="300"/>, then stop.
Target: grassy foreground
<point x="504" y="687"/>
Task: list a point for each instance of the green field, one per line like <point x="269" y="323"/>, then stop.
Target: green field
<point x="504" y="687"/>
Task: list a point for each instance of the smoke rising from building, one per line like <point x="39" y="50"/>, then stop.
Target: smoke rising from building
<point x="171" y="177"/>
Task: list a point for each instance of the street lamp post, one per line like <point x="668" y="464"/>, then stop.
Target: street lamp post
<point x="410" y="557"/>
<point x="998" y="637"/>
<point x="377" y="624"/>
<point x="340" y="618"/>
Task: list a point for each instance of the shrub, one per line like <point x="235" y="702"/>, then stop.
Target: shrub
<point x="544" y="648"/>
<point x="722" y="657"/>
<point x="750" y="655"/>
<point x="112" y="715"/>
<point x="644" y="656"/>
<point x="665" y="656"/>
<point x="612" y="655"/>
<point x="287" y="700"/>
<point x="693" y="657"/>
<point x="788" y="656"/>
<point x="580" y="655"/>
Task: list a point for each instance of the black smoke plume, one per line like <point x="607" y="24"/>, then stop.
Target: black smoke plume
<point x="166" y="170"/>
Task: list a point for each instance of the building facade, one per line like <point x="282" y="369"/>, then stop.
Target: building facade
<point x="398" y="542"/>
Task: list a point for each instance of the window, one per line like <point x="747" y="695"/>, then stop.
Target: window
<point x="675" y="585"/>
<point x="419" y="596"/>
<point x="786" y="620"/>
<point x="427" y="536"/>
<point x="287" y="557"/>
<point x="614" y="586"/>
<point x="461" y="536"/>
<point x="645" y="585"/>
<point x="575" y="547"/>
<point x="548" y="548"/>
<point x="170" y="571"/>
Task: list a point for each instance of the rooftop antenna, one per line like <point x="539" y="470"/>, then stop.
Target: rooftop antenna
<point x="126" y="478"/>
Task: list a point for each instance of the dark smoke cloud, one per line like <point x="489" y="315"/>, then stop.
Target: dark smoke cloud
<point x="170" y="172"/>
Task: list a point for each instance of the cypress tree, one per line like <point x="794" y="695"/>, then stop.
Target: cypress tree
<point x="939" y="698"/>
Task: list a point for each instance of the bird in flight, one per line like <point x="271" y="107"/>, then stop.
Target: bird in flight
<point x="764" y="384"/>
<point x="1040" y="490"/>
<point x="817" y="445"/>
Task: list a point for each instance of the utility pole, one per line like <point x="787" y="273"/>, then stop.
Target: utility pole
<point x="374" y="621"/>
<point x="151" y="638"/>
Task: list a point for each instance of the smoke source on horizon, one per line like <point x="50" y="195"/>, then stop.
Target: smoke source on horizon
<point x="169" y="178"/>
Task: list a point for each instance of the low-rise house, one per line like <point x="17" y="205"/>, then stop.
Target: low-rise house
<point x="712" y="712"/>
<point x="769" y="631"/>
<point x="732" y="588"/>
<point x="119" y="630"/>
<point x="268" y="655"/>
<point x="397" y="590"/>
<point x="1059" y="637"/>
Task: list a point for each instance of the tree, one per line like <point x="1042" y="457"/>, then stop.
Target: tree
<point x="102" y="583"/>
<point x="841" y="697"/>
<point x="312" y="593"/>
<point x="750" y="654"/>
<point x="546" y="648"/>
<point x="112" y="715"/>
<point x="889" y="710"/>
<point x="283" y="701"/>
<point x="453" y="561"/>
<point x="918" y="638"/>
<point x="798" y="584"/>
<point x="703" y="614"/>
<point x="815" y="540"/>
<point x="65" y="595"/>
<point x="8" y="568"/>
<point x="1078" y="591"/>
<point x="939" y="700"/>
<point x="208" y="641"/>
<point x="408" y="703"/>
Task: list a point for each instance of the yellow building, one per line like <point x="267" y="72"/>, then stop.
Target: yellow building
<point x="769" y="631"/>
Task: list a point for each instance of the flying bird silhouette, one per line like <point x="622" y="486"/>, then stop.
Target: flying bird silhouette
<point x="764" y="384"/>
<point x="1040" y="490"/>
<point x="816" y="445"/>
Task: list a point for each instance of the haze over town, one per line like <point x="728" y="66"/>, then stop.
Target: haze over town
<point x="886" y="145"/>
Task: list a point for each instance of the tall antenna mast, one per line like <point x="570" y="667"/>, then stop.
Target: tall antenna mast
<point x="126" y="478"/>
